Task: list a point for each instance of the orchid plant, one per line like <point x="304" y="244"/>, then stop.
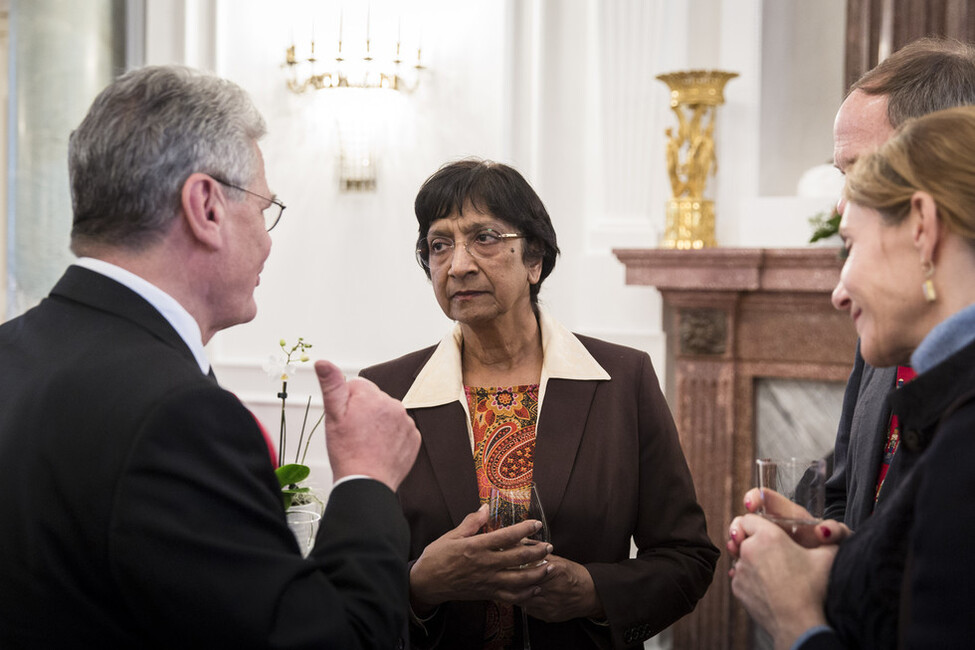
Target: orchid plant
<point x="282" y="367"/>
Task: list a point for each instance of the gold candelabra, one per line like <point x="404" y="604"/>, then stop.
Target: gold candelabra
<point x="694" y="98"/>
<point x="369" y="67"/>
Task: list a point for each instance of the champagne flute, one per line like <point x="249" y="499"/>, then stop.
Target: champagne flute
<point x="509" y="506"/>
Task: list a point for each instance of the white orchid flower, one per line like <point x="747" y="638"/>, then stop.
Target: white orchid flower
<point x="278" y="368"/>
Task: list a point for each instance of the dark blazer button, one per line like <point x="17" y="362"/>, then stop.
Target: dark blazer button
<point x="912" y="439"/>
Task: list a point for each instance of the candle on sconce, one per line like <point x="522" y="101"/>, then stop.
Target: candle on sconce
<point x="368" y="56"/>
<point x="399" y="38"/>
<point x="419" y="45"/>
<point x="338" y="54"/>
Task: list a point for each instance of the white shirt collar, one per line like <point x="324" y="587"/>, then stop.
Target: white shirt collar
<point x="184" y="324"/>
<point x="441" y="381"/>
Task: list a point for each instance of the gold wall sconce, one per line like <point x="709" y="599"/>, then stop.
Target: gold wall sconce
<point x="694" y="98"/>
<point x="361" y="63"/>
<point x="358" y="53"/>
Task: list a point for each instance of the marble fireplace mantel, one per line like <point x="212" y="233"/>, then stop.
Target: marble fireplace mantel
<point x="732" y="316"/>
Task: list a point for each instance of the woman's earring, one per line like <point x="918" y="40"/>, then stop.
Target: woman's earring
<point x="928" y="286"/>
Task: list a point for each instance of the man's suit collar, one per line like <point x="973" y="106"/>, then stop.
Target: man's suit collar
<point x="105" y="294"/>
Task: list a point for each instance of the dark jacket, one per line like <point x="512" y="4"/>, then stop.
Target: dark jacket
<point x="139" y="507"/>
<point x="859" y="449"/>
<point x="906" y="576"/>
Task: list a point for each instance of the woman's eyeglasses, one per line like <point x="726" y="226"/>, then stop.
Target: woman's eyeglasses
<point x="483" y="245"/>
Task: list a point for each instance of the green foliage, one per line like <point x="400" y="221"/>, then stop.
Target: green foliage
<point x="824" y="226"/>
<point x="292" y="473"/>
<point x="288" y="477"/>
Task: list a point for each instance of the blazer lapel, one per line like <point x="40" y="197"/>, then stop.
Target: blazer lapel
<point x="561" y="423"/>
<point x="446" y="441"/>
<point x="870" y="427"/>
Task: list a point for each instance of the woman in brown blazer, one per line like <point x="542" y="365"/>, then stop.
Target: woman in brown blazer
<point x="510" y="397"/>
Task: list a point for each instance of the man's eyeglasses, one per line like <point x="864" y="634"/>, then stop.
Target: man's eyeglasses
<point x="272" y="213"/>
<point x="483" y="245"/>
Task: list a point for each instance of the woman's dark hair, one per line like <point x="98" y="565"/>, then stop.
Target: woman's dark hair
<point x="497" y="189"/>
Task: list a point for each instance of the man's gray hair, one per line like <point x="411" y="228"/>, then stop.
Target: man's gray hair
<point x="142" y="138"/>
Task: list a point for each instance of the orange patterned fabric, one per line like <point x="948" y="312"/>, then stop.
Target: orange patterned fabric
<point x="503" y="421"/>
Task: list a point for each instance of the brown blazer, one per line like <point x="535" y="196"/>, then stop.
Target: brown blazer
<point x="608" y="466"/>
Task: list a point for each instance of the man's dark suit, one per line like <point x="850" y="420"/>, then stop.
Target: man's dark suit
<point x="608" y="466"/>
<point x="138" y="505"/>
<point x="859" y="448"/>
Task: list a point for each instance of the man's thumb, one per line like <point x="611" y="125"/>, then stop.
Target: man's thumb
<point x="335" y="392"/>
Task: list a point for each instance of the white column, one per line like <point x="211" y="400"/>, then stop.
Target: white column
<point x="62" y="54"/>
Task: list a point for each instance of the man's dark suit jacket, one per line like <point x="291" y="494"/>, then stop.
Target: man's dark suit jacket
<point x="139" y="507"/>
<point x="859" y="449"/>
<point x="608" y="466"/>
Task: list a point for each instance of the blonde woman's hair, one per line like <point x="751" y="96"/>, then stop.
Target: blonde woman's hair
<point x="934" y="154"/>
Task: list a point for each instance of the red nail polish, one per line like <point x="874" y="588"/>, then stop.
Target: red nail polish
<point x="826" y="531"/>
<point x="748" y="504"/>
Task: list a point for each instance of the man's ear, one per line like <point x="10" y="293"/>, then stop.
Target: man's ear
<point x="204" y="208"/>
<point x="926" y="226"/>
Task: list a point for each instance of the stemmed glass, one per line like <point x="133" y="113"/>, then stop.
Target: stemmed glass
<point x="304" y="525"/>
<point x="509" y="506"/>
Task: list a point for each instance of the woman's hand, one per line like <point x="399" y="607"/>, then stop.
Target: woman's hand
<point x="465" y="565"/>
<point x="567" y="592"/>
<point x="827" y="531"/>
<point x="781" y="584"/>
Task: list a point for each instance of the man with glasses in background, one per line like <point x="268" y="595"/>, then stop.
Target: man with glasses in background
<point x="138" y="501"/>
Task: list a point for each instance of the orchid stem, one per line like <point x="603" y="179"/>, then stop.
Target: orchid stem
<point x="308" y="442"/>
<point x="283" y="436"/>
<point x="304" y="422"/>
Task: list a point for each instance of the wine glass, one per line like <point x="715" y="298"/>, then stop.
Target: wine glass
<point x="509" y="506"/>
<point x="802" y="481"/>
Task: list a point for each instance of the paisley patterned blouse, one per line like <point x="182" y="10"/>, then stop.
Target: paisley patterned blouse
<point x="503" y="420"/>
